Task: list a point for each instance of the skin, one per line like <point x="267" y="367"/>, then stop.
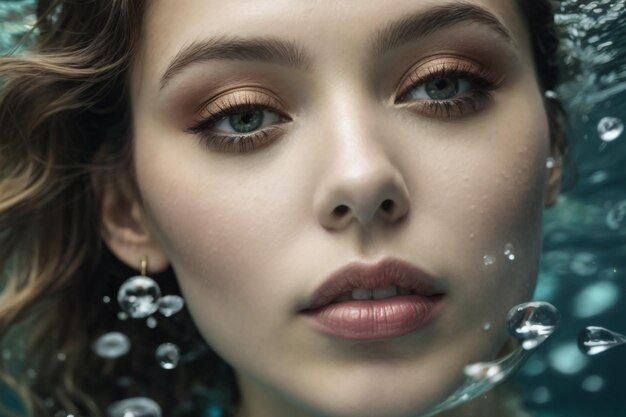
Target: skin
<point x="251" y="235"/>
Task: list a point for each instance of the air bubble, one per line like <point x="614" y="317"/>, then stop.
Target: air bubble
<point x="134" y="407"/>
<point x="610" y="128"/>
<point x="584" y="263"/>
<point x="151" y="322"/>
<point x="489" y="260"/>
<point x="139" y="296"/>
<point x="533" y="322"/>
<point x="593" y="383"/>
<point x="593" y="340"/>
<point x="106" y="299"/>
<point x="487" y="326"/>
<point x="508" y="252"/>
<point x="615" y="216"/>
<point x="61" y="356"/>
<point x="111" y="345"/>
<point x="168" y="355"/>
<point x="170" y="305"/>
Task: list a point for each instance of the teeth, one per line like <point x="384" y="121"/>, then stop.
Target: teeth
<point x="386" y="292"/>
<point x="375" y="294"/>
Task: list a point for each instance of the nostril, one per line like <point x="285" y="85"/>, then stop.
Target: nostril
<point x="340" y="210"/>
<point x="387" y="205"/>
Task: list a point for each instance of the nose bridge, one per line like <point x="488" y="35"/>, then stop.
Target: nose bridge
<point x="360" y="181"/>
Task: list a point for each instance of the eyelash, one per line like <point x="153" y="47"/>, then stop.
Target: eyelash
<point x="483" y="82"/>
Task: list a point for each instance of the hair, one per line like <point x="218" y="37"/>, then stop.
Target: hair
<point x="65" y="124"/>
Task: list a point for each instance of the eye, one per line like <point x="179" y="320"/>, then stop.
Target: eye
<point x="247" y="121"/>
<point x="443" y="88"/>
<point x="450" y="90"/>
<point x="240" y="123"/>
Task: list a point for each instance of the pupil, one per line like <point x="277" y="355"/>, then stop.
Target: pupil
<point x="245" y="122"/>
<point x="442" y="88"/>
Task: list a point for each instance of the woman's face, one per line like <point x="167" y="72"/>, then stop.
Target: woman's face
<point x="357" y="142"/>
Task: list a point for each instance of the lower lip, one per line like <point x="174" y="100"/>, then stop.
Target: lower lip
<point x="375" y="319"/>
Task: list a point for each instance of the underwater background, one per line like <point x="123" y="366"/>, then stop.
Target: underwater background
<point x="583" y="270"/>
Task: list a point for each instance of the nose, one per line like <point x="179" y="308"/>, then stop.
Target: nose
<point x="361" y="184"/>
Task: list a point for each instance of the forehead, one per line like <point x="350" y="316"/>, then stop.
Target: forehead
<point x="324" y="28"/>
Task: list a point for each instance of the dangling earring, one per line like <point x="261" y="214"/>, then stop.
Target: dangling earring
<point x="139" y="295"/>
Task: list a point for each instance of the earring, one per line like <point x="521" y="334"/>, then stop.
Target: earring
<point x="139" y="295"/>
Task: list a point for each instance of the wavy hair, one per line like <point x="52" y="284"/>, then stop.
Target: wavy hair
<point x="65" y="124"/>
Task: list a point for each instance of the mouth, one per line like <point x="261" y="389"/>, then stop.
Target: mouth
<point x="364" y="302"/>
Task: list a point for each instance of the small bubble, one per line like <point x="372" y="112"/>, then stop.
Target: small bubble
<point x="6" y="355"/>
<point x="122" y="316"/>
<point x="593" y="340"/>
<point x="550" y="163"/>
<point x="551" y="94"/>
<point x="139" y="296"/>
<point x="533" y="322"/>
<point x="111" y="345"/>
<point x="106" y="299"/>
<point x="61" y="356"/>
<point x="508" y="252"/>
<point x="567" y="359"/>
<point x="541" y="395"/>
<point x="487" y="326"/>
<point x="170" y="305"/>
<point x="489" y="260"/>
<point x="168" y="355"/>
<point x="31" y="373"/>
<point x="134" y="407"/>
<point x="49" y="402"/>
<point x="610" y="128"/>
<point x="584" y="263"/>
<point x="151" y="322"/>
<point x="593" y="383"/>
<point x="615" y="216"/>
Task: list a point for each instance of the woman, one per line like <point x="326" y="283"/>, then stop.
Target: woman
<point x="275" y="161"/>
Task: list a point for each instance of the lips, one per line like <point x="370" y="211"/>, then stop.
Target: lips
<point x="385" y="273"/>
<point x="384" y="317"/>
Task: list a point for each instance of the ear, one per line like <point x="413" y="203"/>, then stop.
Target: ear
<point x="124" y="225"/>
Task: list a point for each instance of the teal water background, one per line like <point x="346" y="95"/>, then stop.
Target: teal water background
<point x="583" y="269"/>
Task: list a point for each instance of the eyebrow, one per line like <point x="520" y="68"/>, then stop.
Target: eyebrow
<point x="241" y="49"/>
<point x="421" y="24"/>
<point x="289" y="53"/>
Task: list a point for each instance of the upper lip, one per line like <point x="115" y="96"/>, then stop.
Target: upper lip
<point x="382" y="274"/>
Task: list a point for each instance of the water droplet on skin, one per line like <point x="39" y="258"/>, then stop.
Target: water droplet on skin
<point x="134" y="407"/>
<point x="168" y="355"/>
<point x="170" y="305"/>
<point x="151" y="322"/>
<point x="489" y="260"/>
<point x="111" y="345"/>
<point x="508" y="252"/>
<point x="139" y="296"/>
<point x="533" y="322"/>
<point x="593" y="340"/>
<point x="610" y="128"/>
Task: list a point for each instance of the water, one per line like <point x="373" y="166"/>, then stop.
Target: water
<point x="170" y="305"/>
<point x="168" y="355"/>
<point x="583" y="269"/>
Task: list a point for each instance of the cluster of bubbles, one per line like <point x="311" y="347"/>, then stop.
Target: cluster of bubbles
<point x="530" y="323"/>
<point x="140" y="297"/>
<point x="135" y="407"/>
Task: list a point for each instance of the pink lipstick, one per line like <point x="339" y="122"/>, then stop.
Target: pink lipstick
<point x="384" y="300"/>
